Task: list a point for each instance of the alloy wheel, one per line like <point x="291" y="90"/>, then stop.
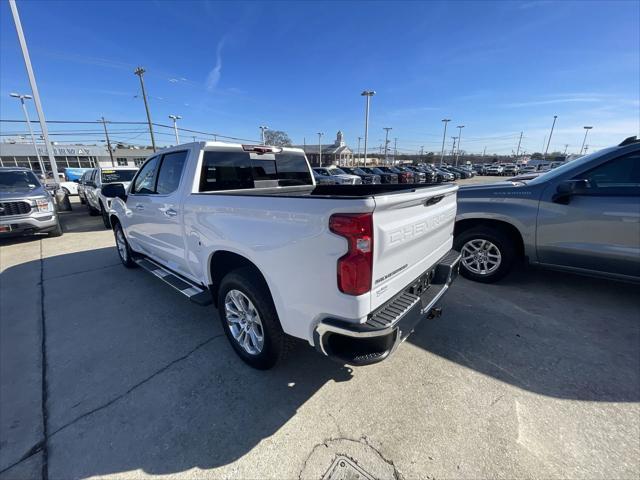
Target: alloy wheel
<point x="481" y="257"/>
<point x="244" y="322"/>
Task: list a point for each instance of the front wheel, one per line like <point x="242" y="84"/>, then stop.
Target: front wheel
<point x="487" y="254"/>
<point x="250" y="321"/>
<point x="57" y="231"/>
<point x="92" y="211"/>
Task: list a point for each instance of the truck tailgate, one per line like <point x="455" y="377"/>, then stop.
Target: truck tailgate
<point x="412" y="231"/>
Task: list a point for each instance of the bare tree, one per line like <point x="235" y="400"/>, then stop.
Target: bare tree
<point x="277" y="138"/>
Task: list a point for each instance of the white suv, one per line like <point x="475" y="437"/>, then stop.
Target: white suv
<point x="92" y="189"/>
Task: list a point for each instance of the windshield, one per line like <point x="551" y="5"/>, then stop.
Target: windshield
<point x="377" y="171"/>
<point x="18" y="180"/>
<point x="337" y="171"/>
<point x="115" y="176"/>
<point x="569" y="166"/>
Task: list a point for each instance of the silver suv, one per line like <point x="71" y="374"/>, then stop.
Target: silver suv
<point x="25" y="205"/>
<point x="583" y="216"/>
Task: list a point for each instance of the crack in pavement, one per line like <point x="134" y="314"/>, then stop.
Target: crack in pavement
<point x="44" y="385"/>
<point x="139" y="384"/>
<point x="55" y="277"/>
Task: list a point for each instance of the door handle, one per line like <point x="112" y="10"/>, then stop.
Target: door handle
<point x="139" y="206"/>
<point x="170" y="212"/>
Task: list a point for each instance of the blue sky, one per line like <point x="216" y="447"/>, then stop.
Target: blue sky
<point x="497" y="67"/>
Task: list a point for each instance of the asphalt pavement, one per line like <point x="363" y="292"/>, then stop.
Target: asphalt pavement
<point x="106" y="372"/>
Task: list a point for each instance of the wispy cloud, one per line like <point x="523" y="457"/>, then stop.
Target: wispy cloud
<point x="552" y="101"/>
<point x="216" y="73"/>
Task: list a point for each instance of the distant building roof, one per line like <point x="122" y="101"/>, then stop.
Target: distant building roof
<point x="336" y="148"/>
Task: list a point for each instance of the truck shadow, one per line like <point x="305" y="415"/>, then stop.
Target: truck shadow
<point x="551" y="333"/>
<point x="138" y="377"/>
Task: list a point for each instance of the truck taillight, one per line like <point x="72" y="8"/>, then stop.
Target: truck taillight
<point x="355" y="267"/>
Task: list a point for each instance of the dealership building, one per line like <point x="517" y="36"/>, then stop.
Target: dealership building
<point x="72" y="156"/>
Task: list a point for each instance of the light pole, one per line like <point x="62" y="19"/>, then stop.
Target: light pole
<point x="368" y="94"/>
<point x="140" y="73"/>
<point x="550" y="135"/>
<point x="26" y="116"/>
<point x="263" y="128"/>
<point x="566" y="147"/>
<point x="106" y="134"/>
<point x="395" y="149"/>
<point x="444" y="136"/>
<point x="320" y="134"/>
<point x="518" y="149"/>
<point x="453" y="148"/>
<point x="358" y="156"/>
<point x="460" y="127"/>
<point x="386" y="144"/>
<point x="586" y="131"/>
<point x="35" y="92"/>
<point x="175" y="119"/>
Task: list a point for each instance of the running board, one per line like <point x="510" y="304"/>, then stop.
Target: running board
<point x="193" y="292"/>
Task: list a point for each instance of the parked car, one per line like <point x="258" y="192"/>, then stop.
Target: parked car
<point x="509" y="169"/>
<point x="463" y="172"/>
<point x="323" y="179"/>
<point x="385" y="177"/>
<point x="418" y="176"/>
<point x="26" y="206"/>
<point x="339" y="176"/>
<point x="97" y="202"/>
<point x="430" y="175"/>
<point x="69" y="188"/>
<point x="366" y="177"/>
<point x="403" y="177"/>
<point x="284" y="258"/>
<point x="456" y="175"/>
<point x="582" y="216"/>
<point x="528" y="169"/>
<point x="443" y="175"/>
<point x="82" y="184"/>
<point x="479" y="169"/>
<point x="495" y="169"/>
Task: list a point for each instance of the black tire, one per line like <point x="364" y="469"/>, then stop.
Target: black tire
<point x="92" y="211"/>
<point x="503" y="243"/>
<point x="126" y="255"/>
<point x="57" y="231"/>
<point x="66" y="192"/>
<point x="82" y="200"/>
<point x="276" y="343"/>
<point x="105" y="217"/>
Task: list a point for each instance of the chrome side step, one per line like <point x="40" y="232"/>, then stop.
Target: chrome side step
<point x="193" y="292"/>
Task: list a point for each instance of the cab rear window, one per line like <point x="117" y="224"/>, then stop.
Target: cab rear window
<point x="242" y="170"/>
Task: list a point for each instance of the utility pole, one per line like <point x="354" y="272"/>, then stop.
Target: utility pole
<point x="34" y="91"/>
<point x="566" y="146"/>
<point x="262" y="130"/>
<point x="175" y="119"/>
<point x="386" y="144"/>
<point x="444" y="136"/>
<point x="395" y="149"/>
<point x="483" y="153"/>
<point x="140" y="73"/>
<point x="453" y="148"/>
<point x="106" y="134"/>
<point x="518" y="149"/>
<point x="320" y="134"/>
<point x="421" y="152"/>
<point x="550" y="135"/>
<point x="368" y="94"/>
<point x="26" y="116"/>
<point x="586" y="131"/>
<point x="358" y="156"/>
<point x="460" y="127"/>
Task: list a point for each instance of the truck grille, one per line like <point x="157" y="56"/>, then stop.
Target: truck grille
<point x="14" y="208"/>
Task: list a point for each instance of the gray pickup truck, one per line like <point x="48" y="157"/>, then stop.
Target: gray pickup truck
<point x="583" y="216"/>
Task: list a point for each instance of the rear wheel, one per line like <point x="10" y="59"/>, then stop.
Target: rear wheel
<point x="105" y="217"/>
<point x="250" y="321"/>
<point x="487" y="254"/>
<point x="124" y="251"/>
<point x="92" y="211"/>
<point x="82" y="200"/>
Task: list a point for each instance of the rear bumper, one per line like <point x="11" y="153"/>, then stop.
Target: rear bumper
<point x="373" y="341"/>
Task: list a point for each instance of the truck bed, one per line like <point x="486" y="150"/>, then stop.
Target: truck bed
<point x="329" y="191"/>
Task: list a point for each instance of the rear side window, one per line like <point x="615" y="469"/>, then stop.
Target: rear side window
<point x="238" y="170"/>
<point x="146" y="179"/>
<point x="170" y="172"/>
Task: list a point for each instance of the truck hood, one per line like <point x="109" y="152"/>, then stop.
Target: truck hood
<point x="16" y="193"/>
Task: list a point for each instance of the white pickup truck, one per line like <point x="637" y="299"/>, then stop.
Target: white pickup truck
<point x="349" y="268"/>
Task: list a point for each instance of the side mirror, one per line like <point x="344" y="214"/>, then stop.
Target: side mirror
<point x="568" y="188"/>
<point x="113" y="190"/>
